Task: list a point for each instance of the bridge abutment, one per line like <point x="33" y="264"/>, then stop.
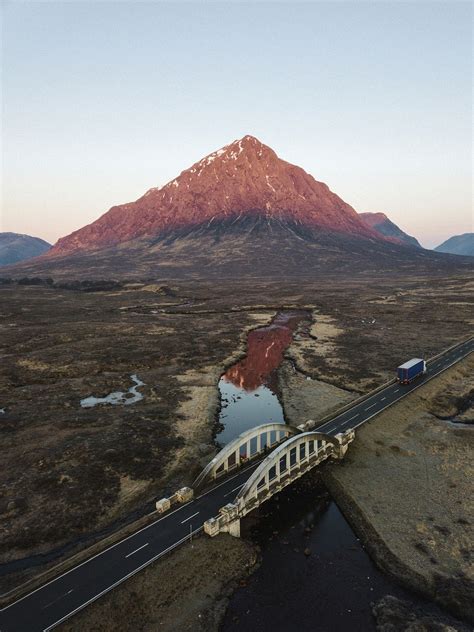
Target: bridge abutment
<point x="228" y="521"/>
<point x="234" y="528"/>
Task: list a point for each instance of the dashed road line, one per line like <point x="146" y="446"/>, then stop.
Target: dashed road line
<point x="189" y="518"/>
<point x="351" y="418"/>
<point x="227" y="480"/>
<point x="74" y="568"/>
<point x="121" y="580"/>
<point x="233" y="490"/>
<point x="139" y="549"/>
<point x="56" y="600"/>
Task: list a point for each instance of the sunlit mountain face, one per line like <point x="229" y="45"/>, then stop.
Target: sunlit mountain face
<point x="240" y="212"/>
<point x="245" y="178"/>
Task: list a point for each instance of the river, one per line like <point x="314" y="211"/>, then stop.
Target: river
<point x="314" y="572"/>
<point x="249" y="388"/>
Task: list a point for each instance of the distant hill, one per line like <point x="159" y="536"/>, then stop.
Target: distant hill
<point x="383" y="225"/>
<point x="15" y="247"/>
<point x="458" y="245"/>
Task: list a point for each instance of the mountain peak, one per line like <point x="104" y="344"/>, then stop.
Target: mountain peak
<point x="247" y="148"/>
<point x="243" y="178"/>
<point x="248" y="141"/>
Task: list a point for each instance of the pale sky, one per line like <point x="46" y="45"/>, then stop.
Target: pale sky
<point x="104" y="100"/>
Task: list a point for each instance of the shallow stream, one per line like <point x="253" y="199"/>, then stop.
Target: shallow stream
<point x="131" y="396"/>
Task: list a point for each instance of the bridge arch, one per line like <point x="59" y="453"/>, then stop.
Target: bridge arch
<point x="247" y="446"/>
<point x="286" y="463"/>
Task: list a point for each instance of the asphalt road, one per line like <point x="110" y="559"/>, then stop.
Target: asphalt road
<point x="60" y="598"/>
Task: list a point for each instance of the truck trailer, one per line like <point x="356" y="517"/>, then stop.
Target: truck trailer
<point x="410" y="370"/>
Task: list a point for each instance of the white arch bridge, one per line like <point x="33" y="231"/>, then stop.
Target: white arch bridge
<point x="248" y="446"/>
<point x="291" y="458"/>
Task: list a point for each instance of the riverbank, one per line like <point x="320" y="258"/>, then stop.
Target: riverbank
<point x="303" y="395"/>
<point x="305" y="398"/>
<point x="197" y="412"/>
<point x="406" y="487"/>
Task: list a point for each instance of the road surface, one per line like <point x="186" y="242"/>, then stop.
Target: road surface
<point x="57" y="600"/>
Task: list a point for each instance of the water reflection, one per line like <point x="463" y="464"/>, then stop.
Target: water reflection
<point x="248" y="389"/>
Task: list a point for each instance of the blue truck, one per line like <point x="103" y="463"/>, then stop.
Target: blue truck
<point x="410" y="370"/>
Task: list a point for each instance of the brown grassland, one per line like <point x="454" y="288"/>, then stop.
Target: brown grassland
<point x="67" y="472"/>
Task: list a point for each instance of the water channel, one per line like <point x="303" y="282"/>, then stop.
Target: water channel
<point x="314" y="573"/>
<point x="249" y="389"/>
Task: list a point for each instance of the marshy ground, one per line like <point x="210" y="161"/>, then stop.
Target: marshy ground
<point x="67" y="471"/>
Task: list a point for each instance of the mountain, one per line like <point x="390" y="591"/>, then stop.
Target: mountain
<point x="458" y="245"/>
<point x="243" y="178"/>
<point x="239" y="212"/>
<point x="15" y="247"/>
<point x="383" y="225"/>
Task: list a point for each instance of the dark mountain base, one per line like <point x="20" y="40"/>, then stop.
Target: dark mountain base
<point x="248" y="246"/>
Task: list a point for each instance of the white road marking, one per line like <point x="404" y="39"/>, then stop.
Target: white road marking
<point x="383" y="399"/>
<point x="227" y="480"/>
<point x="132" y="535"/>
<point x="412" y="389"/>
<point x="234" y="490"/>
<point x="396" y="390"/>
<point x="55" y="600"/>
<point x="139" y="549"/>
<point x="350" y="419"/>
<point x="369" y="407"/>
<point x="186" y="519"/>
<point x="109" y="588"/>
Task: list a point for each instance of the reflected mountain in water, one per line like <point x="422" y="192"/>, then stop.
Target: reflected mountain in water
<point x="248" y="389"/>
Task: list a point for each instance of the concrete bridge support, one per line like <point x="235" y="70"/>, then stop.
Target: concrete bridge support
<point x="228" y="521"/>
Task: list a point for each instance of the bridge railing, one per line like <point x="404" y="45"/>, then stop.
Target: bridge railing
<point x="248" y="446"/>
<point x="289" y="461"/>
